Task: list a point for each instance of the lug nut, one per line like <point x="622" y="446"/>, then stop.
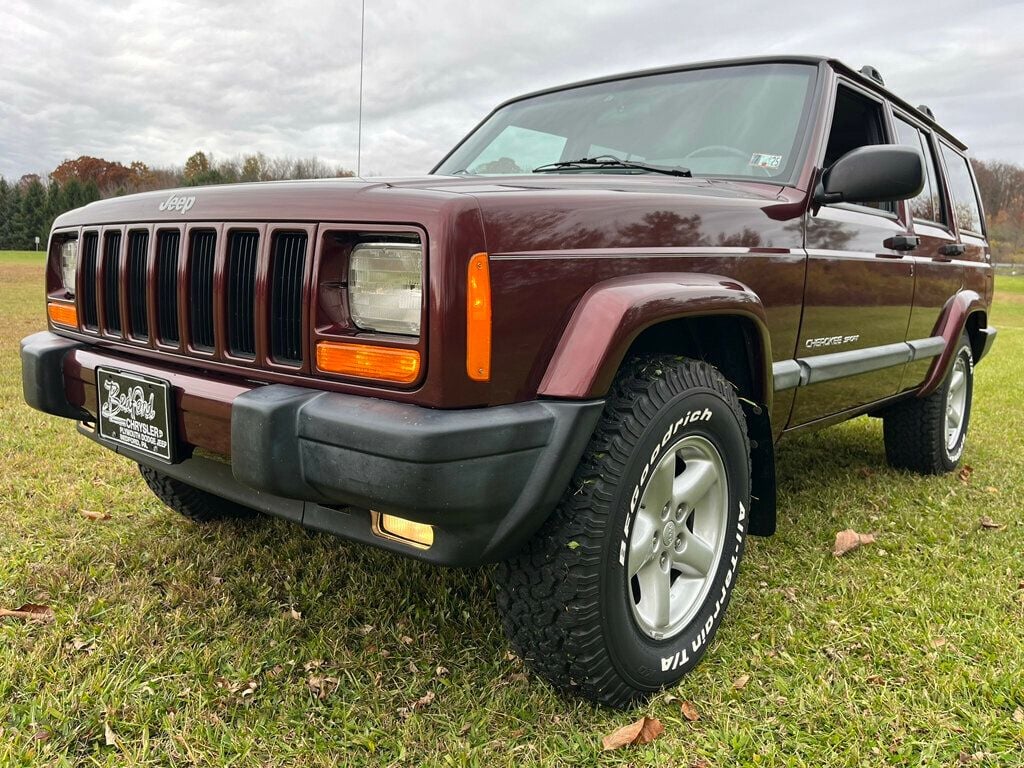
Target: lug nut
<point x="664" y="513"/>
<point x="663" y="560"/>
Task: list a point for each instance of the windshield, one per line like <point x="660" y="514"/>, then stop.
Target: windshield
<point x="734" y="121"/>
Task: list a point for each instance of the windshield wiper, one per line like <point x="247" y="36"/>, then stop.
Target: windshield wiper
<point x="609" y="161"/>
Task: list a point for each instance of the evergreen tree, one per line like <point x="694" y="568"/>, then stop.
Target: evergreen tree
<point x="33" y="213"/>
<point x="5" y="214"/>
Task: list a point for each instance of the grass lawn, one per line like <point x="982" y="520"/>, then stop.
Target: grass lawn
<point x="176" y="645"/>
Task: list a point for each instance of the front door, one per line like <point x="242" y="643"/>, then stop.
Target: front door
<point x="860" y="285"/>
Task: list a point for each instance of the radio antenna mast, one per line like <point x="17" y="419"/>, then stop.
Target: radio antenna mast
<point x="359" y="129"/>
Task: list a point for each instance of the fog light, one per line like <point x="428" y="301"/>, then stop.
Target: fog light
<point x="400" y="529"/>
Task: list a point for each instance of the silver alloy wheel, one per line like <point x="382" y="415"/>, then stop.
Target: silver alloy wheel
<point x="677" y="538"/>
<point x="956" y="403"/>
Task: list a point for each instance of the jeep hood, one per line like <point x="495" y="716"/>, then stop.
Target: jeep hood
<point x="540" y="212"/>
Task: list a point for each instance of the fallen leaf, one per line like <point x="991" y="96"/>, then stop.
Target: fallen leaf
<point x="407" y="640"/>
<point x="322" y="687"/>
<point x="991" y="489"/>
<point x="965" y="473"/>
<point x="875" y="679"/>
<point x="849" y="540"/>
<point x="88" y="514"/>
<point x="40" y="735"/>
<point x="216" y="580"/>
<point x="938" y="642"/>
<point x="365" y="629"/>
<point x="464" y="729"/>
<point x="1018" y="715"/>
<point x="643" y="731"/>
<point x="29" y="612"/>
<point x="789" y="593"/>
<point x="740" y="682"/>
<point x="422" y="702"/>
<point x="109" y="737"/>
<point x="689" y="711"/>
<point x="989" y="524"/>
<point x="296" y="615"/>
<point x="442" y="671"/>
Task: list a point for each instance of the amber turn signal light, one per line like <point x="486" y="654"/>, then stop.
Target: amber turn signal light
<point x="368" y="362"/>
<point x="478" y="318"/>
<point x="62" y="314"/>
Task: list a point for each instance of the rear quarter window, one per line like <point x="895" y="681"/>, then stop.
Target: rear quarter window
<point x="963" y="195"/>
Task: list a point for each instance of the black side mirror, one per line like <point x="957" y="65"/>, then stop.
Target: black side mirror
<point x="878" y="173"/>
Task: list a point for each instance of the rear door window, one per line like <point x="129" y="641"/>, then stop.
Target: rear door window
<point x="857" y="121"/>
<point x="927" y="205"/>
<point x="964" y="197"/>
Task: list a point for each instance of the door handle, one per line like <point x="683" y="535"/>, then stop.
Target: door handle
<point x="953" y="249"/>
<point x="902" y="242"/>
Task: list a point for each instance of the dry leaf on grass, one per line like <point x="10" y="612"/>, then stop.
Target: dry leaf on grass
<point x="1018" y="715"/>
<point x="965" y="473"/>
<point x="109" y="737"/>
<point x="421" y="703"/>
<point x="296" y="615"/>
<point x="848" y="540"/>
<point x="740" y="682"/>
<point x="40" y="735"/>
<point x="689" y="711"/>
<point x="643" y="731"/>
<point x="88" y="514"/>
<point x="989" y="524"/>
<point x="29" y="612"/>
<point x="322" y="687"/>
<point x="938" y="642"/>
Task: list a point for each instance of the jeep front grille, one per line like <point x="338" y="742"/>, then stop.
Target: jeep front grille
<point x="112" y="284"/>
<point x="287" y="270"/>
<point x="200" y="289"/>
<point x="209" y="291"/>
<point x="168" y="243"/>
<point x="138" y="262"/>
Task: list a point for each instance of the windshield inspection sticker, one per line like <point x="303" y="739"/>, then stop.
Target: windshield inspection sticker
<point x="761" y="160"/>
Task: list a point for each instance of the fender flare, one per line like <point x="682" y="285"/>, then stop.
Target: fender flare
<point x="950" y="326"/>
<point x="614" y="312"/>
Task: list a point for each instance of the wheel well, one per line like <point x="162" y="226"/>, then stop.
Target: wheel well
<point x="975" y="322"/>
<point x="731" y="344"/>
<point x="728" y="342"/>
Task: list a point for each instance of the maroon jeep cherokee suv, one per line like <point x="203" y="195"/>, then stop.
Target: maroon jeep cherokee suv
<point x="570" y="350"/>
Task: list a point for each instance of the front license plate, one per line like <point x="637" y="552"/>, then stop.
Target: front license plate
<point x="135" y="411"/>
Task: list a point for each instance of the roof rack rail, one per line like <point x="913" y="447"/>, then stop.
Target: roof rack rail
<point x="924" y="109"/>
<point x="868" y="71"/>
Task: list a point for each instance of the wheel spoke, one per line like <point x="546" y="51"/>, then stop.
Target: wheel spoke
<point x="694" y="483"/>
<point x="952" y="417"/>
<point x="641" y="541"/>
<point x="659" y="487"/>
<point x="696" y="558"/>
<point x="655" y="593"/>
<point x="957" y="382"/>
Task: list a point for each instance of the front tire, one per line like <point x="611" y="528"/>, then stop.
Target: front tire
<point x="195" y="504"/>
<point x="624" y="587"/>
<point x="927" y="434"/>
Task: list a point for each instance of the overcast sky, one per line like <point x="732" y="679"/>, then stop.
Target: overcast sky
<point x="156" y="80"/>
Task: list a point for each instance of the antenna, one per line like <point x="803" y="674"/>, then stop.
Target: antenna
<point x="359" y="129"/>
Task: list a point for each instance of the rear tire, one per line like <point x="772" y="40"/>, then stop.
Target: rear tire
<point x="621" y="591"/>
<point x="198" y="506"/>
<point x="927" y="434"/>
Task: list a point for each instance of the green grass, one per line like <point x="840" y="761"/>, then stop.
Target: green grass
<point x="909" y="652"/>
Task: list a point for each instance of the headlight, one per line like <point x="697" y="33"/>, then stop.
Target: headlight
<point x="68" y="264"/>
<point x="385" y="287"/>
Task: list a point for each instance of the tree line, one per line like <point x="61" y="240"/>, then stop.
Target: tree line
<point x="29" y="205"/>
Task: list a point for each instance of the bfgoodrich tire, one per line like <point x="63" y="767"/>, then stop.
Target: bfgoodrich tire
<point x="928" y="434"/>
<point x="623" y="589"/>
<point x="195" y="504"/>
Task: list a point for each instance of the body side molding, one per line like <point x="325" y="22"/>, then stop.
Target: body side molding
<point x="836" y="365"/>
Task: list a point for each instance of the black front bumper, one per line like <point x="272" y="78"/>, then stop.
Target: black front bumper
<point x="485" y="478"/>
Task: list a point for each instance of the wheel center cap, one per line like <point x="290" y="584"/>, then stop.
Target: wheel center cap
<point x="668" y="534"/>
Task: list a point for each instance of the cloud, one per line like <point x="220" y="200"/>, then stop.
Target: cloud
<point x="154" y="81"/>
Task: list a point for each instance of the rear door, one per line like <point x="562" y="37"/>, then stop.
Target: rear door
<point x="860" y="286"/>
<point x="939" y="258"/>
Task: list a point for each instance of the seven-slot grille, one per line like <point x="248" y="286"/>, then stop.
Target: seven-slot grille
<point x="159" y="290"/>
